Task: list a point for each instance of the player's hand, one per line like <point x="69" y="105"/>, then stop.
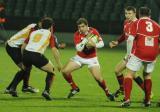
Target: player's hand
<point x="90" y="43"/>
<point x="113" y="44"/>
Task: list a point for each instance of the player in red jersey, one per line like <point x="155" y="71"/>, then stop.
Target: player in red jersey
<point x="130" y="14"/>
<point x="144" y="37"/>
<point x="86" y="55"/>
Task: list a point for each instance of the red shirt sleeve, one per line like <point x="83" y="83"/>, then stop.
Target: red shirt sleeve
<point x="52" y="41"/>
<point x="121" y="38"/>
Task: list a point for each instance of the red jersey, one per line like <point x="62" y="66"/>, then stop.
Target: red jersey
<point x="126" y="31"/>
<point x="146" y="43"/>
<point x="87" y="52"/>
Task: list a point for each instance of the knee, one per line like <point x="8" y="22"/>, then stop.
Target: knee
<point x="65" y="71"/>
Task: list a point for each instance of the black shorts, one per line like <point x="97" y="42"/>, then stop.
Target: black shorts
<point x="33" y="58"/>
<point x="14" y="53"/>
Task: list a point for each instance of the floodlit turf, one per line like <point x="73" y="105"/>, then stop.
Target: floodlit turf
<point x="90" y="99"/>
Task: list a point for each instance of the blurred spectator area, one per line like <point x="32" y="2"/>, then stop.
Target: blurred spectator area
<point x="105" y="15"/>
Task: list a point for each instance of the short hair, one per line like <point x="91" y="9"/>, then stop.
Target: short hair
<point x="130" y="8"/>
<point x="82" y="20"/>
<point x="46" y="22"/>
<point x="144" y="11"/>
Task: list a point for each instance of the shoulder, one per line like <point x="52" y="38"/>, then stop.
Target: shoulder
<point x="31" y="25"/>
<point x="94" y="30"/>
<point x="76" y="33"/>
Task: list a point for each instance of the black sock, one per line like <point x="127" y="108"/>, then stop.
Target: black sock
<point x="26" y="77"/>
<point x="18" y="77"/>
<point x="139" y="81"/>
<point x="49" y="80"/>
<point x="14" y="79"/>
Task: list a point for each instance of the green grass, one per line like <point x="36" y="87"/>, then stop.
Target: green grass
<point x="90" y="99"/>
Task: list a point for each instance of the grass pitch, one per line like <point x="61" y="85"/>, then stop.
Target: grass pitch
<point x="90" y="99"/>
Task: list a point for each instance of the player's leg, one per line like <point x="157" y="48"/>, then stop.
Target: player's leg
<point x="139" y="81"/>
<point x="148" y="68"/>
<point x="66" y="71"/>
<point x="147" y="88"/>
<point x="95" y="71"/>
<point x="15" y="54"/>
<point x="26" y="87"/>
<point x="133" y="65"/>
<point x="120" y="77"/>
<point x="49" y="79"/>
<point x="41" y="62"/>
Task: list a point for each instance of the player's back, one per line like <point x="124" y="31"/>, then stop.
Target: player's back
<point x="39" y="40"/>
<point x="18" y="39"/>
<point x="147" y="39"/>
<point x="148" y="27"/>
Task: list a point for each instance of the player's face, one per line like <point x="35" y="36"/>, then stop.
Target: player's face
<point x="83" y="28"/>
<point x="130" y="15"/>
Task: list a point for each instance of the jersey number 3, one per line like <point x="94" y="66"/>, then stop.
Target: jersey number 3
<point x="149" y="26"/>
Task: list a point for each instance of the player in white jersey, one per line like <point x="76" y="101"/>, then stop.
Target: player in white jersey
<point x="34" y="48"/>
<point x="13" y="48"/>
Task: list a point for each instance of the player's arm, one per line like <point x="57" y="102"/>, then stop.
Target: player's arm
<point x="118" y="41"/>
<point x="100" y="42"/>
<point x="23" y="47"/>
<point x="80" y="44"/>
<point x="56" y="53"/>
<point x="27" y="40"/>
<point x="121" y="38"/>
<point x="130" y="44"/>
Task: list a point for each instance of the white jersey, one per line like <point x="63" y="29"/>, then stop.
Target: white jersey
<point x="38" y="41"/>
<point x="19" y="38"/>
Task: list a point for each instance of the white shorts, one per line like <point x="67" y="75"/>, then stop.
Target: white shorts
<point x="135" y="64"/>
<point x="86" y="61"/>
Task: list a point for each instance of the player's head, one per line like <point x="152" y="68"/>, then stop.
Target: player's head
<point x="144" y="12"/>
<point x="82" y="24"/>
<point x="46" y="23"/>
<point x="130" y="13"/>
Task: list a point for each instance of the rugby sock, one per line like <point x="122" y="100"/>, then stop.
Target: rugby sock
<point x="140" y="82"/>
<point x="18" y="77"/>
<point x="147" y="87"/>
<point x="49" y="80"/>
<point x="26" y="78"/>
<point x="127" y="88"/>
<point x="69" y="79"/>
<point x="120" y="79"/>
<point x="102" y="84"/>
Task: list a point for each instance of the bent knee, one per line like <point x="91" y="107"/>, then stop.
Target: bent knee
<point x="65" y="71"/>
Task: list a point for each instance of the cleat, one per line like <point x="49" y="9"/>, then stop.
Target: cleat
<point x="126" y="103"/>
<point x="46" y="95"/>
<point x="30" y="89"/>
<point x="147" y="103"/>
<point x="110" y="97"/>
<point x="73" y="92"/>
<point x="118" y="92"/>
<point x="13" y="93"/>
<point x="6" y="91"/>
